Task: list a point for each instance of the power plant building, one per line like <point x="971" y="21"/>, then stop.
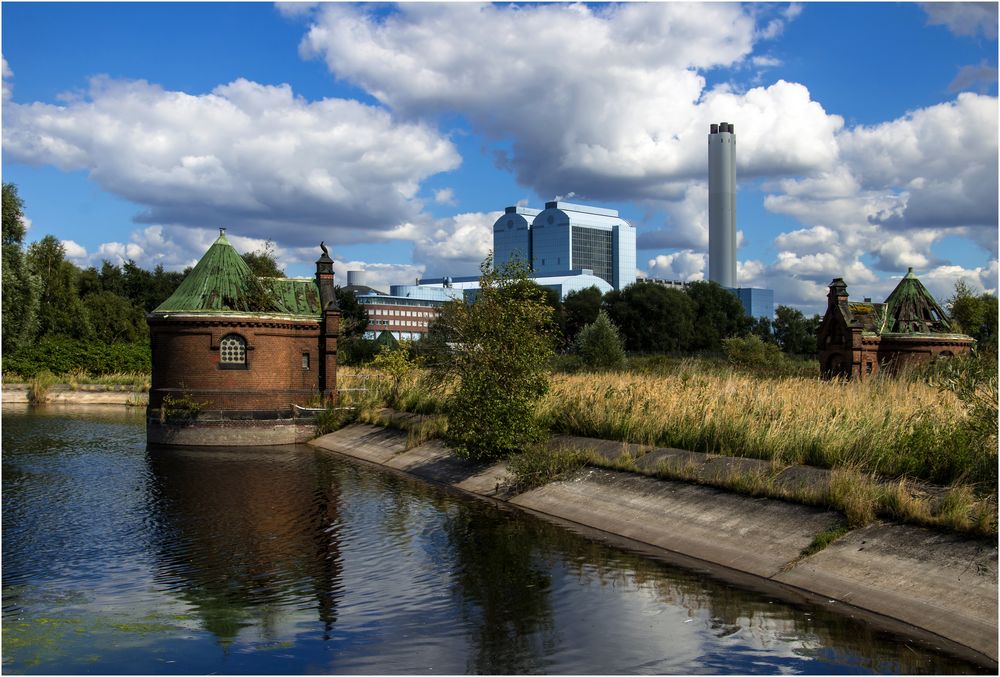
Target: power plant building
<point x="564" y="239"/>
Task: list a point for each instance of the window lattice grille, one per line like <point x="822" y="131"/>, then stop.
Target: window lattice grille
<point x="233" y="350"/>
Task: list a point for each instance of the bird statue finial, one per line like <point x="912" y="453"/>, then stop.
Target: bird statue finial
<point x="323" y="247"/>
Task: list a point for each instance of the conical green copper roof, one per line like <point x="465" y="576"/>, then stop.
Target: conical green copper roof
<point x="910" y="309"/>
<point x="222" y="282"/>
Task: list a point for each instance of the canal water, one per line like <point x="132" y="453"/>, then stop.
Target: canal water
<point x="123" y="559"/>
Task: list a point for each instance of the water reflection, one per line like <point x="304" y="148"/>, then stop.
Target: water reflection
<point x="118" y="558"/>
<point x="242" y="534"/>
<point x="504" y="587"/>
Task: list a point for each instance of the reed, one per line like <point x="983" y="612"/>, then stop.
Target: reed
<point x="889" y="427"/>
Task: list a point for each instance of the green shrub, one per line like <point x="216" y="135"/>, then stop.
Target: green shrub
<point x="62" y="355"/>
<point x="599" y="344"/>
<point x="751" y="352"/>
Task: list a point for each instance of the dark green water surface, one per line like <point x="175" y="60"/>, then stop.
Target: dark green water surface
<point x="123" y="559"/>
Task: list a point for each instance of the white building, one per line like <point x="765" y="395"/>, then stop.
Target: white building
<point x="565" y="238"/>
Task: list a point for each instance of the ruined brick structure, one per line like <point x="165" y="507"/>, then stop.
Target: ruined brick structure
<point x="233" y="354"/>
<point x="858" y="340"/>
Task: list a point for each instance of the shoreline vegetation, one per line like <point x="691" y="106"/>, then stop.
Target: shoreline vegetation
<point x="904" y="449"/>
<point x="897" y="448"/>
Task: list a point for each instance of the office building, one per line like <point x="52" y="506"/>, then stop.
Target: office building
<point x="565" y="239"/>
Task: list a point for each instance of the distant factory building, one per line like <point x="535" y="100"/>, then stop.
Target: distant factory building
<point x="564" y="239"/>
<point x="406" y="312"/>
<point x="858" y="340"/>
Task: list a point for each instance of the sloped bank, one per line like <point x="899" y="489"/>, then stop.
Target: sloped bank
<point x="938" y="586"/>
<point x="16" y="393"/>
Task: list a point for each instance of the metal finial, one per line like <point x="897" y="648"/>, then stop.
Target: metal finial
<point x="222" y="230"/>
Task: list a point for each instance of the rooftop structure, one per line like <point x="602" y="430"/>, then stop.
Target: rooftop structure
<point x="859" y="339"/>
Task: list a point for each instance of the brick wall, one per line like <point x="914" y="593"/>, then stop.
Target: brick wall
<point x="186" y="362"/>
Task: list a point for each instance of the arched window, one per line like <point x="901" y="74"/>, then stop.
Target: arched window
<point x="233" y="350"/>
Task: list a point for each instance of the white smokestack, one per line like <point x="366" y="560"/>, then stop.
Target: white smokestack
<point x="722" y="205"/>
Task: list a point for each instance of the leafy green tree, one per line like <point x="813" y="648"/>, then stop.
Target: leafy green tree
<point x="975" y="315"/>
<point x="794" y="332"/>
<point x="499" y="364"/>
<point x="263" y="262"/>
<point x="763" y="328"/>
<point x="115" y="320"/>
<point x="718" y="315"/>
<point x="580" y="308"/>
<point x="600" y="346"/>
<point x="652" y="318"/>
<point x="353" y="315"/>
<point x="21" y="290"/>
<point x="61" y="313"/>
<point x="553" y="301"/>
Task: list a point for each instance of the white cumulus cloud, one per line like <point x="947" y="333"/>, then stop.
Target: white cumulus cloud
<point x="248" y="155"/>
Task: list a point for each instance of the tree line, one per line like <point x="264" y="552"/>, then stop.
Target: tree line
<point x="654" y="318"/>
<point x="62" y="318"/>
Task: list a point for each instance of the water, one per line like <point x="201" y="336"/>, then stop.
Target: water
<point x="119" y="559"/>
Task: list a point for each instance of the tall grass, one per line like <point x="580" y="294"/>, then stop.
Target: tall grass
<point x="889" y="427"/>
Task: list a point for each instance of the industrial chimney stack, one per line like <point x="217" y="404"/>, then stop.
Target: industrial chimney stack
<point x="722" y="205"/>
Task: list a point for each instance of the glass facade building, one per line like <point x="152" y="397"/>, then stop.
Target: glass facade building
<point x="566" y="239"/>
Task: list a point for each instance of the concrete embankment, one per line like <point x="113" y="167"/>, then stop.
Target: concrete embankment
<point x="83" y="394"/>
<point x="933" y="585"/>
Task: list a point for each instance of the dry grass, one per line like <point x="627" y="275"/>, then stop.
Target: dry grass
<point x="878" y="437"/>
<point x="892" y="428"/>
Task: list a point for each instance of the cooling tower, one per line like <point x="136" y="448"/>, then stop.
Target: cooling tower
<point x="722" y="205"/>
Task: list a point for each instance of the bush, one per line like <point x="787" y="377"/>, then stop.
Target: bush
<point x="62" y="355"/>
<point x="499" y="364"/>
<point x="600" y="345"/>
<point x="751" y="352"/>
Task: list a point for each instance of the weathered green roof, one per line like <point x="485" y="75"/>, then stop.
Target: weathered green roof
<point x="910" y="309"/>
<point x="222" y="282"/>
<point x="298" y="296"/>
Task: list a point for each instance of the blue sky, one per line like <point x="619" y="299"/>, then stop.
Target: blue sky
<point x="867" y="132"/>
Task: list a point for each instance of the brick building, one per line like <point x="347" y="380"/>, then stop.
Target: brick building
<point x="233" y="354"/>
<point x="857" y="340"/>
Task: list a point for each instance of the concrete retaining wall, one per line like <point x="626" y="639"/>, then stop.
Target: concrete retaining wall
<point x="62" y="394"/>
<point x="934" y="585"/>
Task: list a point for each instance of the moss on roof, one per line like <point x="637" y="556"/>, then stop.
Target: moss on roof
<point x="222" y="282"/>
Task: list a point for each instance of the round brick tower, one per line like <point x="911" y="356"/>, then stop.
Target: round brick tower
<point x="235" y="356"/>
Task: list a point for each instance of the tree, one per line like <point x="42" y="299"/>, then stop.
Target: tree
<point x="499" y="364"/>
<point x="553" y="301"/>
<point x="975" y="315"/>
<point x="718" y="315"/>
<point x="353" y="315"/>
<point x="580" y="308"/>
<point x="21" y="289"/>
<point x="263" y="262"/>
<point x="794" y="332"/>
<point x="762" y="328"/>
<point x="13" y="216"/>
<point x="652" y="317"/>
<point x="600" y="346"/>
<point x="61" y="313"/>
<point x="115" y="320"/>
